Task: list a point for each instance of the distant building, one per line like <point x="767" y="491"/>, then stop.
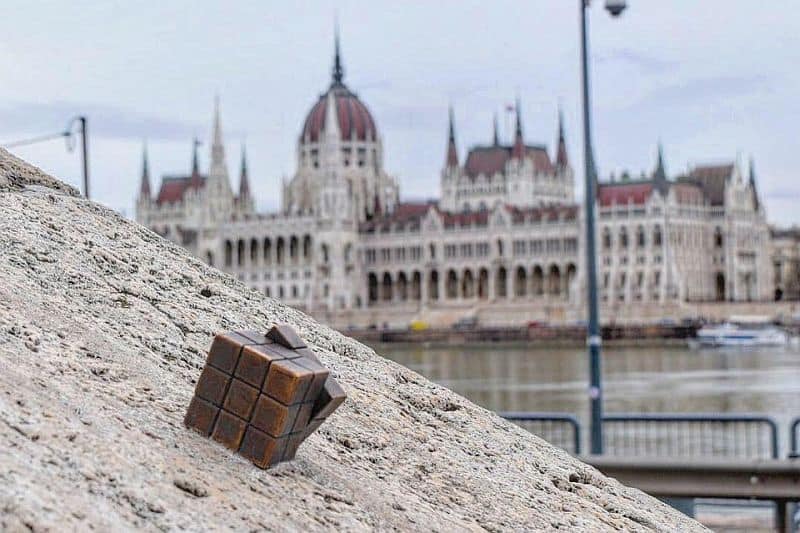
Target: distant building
<point x="786" y="263"/>
<point x="504" y="243"/>
<point x="700" y="237"/>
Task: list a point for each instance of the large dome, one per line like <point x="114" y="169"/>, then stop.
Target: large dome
<point x="353" y="117"/>
<point x="355" y="120"/>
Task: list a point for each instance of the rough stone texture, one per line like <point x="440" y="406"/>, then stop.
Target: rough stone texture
<point x="103" y="329"/>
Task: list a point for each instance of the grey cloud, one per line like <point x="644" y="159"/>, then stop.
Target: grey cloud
<point x="643" y="62"/>
<point x="700" y="90"/>
<point x="104" y="121"/>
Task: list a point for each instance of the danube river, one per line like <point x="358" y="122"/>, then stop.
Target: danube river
<point x="637" y="380"/>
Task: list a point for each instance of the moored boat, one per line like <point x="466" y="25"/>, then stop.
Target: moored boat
<point x="742" y="331"/>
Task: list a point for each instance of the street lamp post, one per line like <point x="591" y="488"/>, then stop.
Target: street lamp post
<point x="593" y="337"/>
<point x="81" y="121"/>
<point x="69" y="135"/>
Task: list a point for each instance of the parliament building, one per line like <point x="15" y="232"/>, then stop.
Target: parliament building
<point x="502" y="245"/>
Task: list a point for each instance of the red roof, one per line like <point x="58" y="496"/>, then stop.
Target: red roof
<point x="408" y="212"/>
<point x="489" y="160"/>
<point x="555" y="212"/>
<point x="465" y="218"/>
<point x="353" y="117"/>
<point x="712" y="178"/>
<point x="687" y="193"/>
<point x="173" y="188"/>
<point x="612" y="193"/>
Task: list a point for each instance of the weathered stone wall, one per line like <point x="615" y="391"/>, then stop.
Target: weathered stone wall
<point x="103" y="329"/>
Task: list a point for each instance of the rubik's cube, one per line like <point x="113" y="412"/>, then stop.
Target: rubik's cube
<point x="262" y="395"/>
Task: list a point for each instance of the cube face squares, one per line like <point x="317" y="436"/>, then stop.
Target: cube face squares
<point x="253" y="365"/>
<point x="261" y="449"/>
<point x="212" y="385"/>
<point x="225" y="351"/>
<point x="229" y="430"/>
<point x="273" y="417"/>
<point x="288" y="381"/>
<point x="201" y="416"/>
<point x="241" y="399"/>
<point x="262" y="394"/>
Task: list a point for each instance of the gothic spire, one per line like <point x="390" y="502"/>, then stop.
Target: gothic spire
<point x="495" y="136"/>
<point x="752" y="172"/>
<point x="562" y="160"/>
<point x="195" y="164"/>
<point x="518" y="150"/>
<point x="452" y="152"/>
<point x="338" y="68"/>
<point x="660" y="172"/>
<point x="217" y="145"/>
<point x="244" y="181"/>
<point x="144" y="188"/>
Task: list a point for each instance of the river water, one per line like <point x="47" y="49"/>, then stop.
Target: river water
<point x="637" y="380"/>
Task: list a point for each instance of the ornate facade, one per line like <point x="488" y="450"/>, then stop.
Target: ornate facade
<point x="502" y="245"/>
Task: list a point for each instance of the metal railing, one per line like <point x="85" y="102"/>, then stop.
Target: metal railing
<point x="559" y="429"/>
<point x="690" y="435"/>
<point x="794" y="438"/>
<point x="666" y="434"/>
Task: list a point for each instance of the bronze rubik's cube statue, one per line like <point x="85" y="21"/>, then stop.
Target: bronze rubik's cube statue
<point x="262" y="395"/>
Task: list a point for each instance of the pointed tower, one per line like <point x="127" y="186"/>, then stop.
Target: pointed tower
<point x="518" y="151"/>
<point x="195" y="163"/>
<point x="660" y="173"/>
<point x="338" y="68"/>
<point x="144" y="187"/>
<point x="244" y="180"/>
<point x="753" y="189"/>
<point x="562" y="160"/>
<point x="452" y="153"/>
<point x="218" y="168"/>
<point x="495" y="135"/>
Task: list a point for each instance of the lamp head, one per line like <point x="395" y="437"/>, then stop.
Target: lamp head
<point x="616" y="7"/>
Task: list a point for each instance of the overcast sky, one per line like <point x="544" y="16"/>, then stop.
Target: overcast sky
<point x="710" y="79"/>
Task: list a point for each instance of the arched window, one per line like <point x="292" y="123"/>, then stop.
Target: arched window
<point x="386" y="287"/>
<point x="253" y="252"/>
<point x="280" y="250"/>
<point x="500" y="283"/>
<point x="267" y="250"/>
<point x="452" y="285"/>
<point x="640" y="238"/>
<point x="657" y="238"/>
<point x="240" y="253"/>
<point x="623" y="238"/>
<point x="416" y="286"/>
<point x="537" y="281"/>
<point x="554" y="280"/>
<point x="520" y="282"/>
<point x="402" y="287"/>
<point x="228" y="253"/>
<point x="468" y="285"/>
<point x="372" y="288"/>
<point x="433" y="285"/>
<point x="719" y="239"/>
<point x="307" y="247"/>
<point x="606" y="238"/>
<point x="483" y="284"/>
<point x="210" y="258"/>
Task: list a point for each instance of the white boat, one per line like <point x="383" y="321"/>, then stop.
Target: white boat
<point x="742" y="331"/>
